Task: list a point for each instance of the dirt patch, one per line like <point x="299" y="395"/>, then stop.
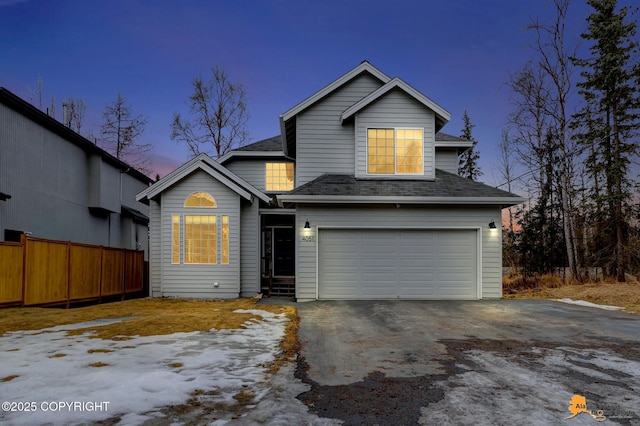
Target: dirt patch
<point x="376" y="400"/>
<point x="625" y="295"/>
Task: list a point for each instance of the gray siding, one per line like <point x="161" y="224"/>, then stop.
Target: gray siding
<point x="323" y="144"/>
<point x="395" y="109"/>
<point x="447" y="160"/>
<point x="187" y="280"/>
<point x="249" y="249"/>
<point x="404" y="217"/>
<point x="155" y="249"/>
<point x="251" y="170"/>
<point x="52" y="183"/>
<point x="254" y="170"/>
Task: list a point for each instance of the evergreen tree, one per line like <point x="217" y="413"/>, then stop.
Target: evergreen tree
<point x="609" y="121"/>
<point x="468" y="161"/>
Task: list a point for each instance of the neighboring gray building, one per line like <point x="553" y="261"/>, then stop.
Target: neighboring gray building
<point x="56" y="184"/>
<point x="358" y="198"/>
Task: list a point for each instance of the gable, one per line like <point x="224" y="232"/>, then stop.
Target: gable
<point x="176" y="198"/>
<point x="288" y="119"/>
<point x="394" y="86"/>
<point x="323" y="145"/>
<point x="205" y="164"/>
<point x="395" y="110"/>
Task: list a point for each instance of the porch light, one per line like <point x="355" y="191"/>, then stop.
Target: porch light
<point x="492" y="225"/>
<point x="307" y="225"/>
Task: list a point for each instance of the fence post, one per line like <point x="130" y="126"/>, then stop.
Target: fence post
<point x="68" y="274"/>
<point x="124" y="274"/>
<point x="101" y="269"/>
<point x="23" y="245"/>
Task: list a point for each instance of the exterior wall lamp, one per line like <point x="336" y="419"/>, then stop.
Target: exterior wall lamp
<point x="492" y="225"/>
<point x="307" y="225"/>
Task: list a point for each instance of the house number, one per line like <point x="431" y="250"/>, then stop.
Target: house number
<point x="308" y="238"/>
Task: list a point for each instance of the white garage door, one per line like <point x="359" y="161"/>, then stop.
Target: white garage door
<point x="397" y="264"/>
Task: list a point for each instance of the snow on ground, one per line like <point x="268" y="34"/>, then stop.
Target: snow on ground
<point x="141" y="375"/>
<point x="589" y="304"/>
<point x="505" y="389"/>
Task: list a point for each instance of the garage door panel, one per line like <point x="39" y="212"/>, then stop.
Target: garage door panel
<point x="390" y="264"/>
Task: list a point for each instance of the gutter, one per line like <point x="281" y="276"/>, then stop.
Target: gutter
<point x="366" y="199"/>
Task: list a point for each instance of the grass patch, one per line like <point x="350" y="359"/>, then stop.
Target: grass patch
<point x="625" y="295"/>
<point x="99" y="351"/>
<point x="98" y="364"/>
<point x="9" y="378"/>
<point x="152" y="317"/>
<point x="244" y="398"/>
<point x="149" y="317"/>
<point x="58" y="356"/>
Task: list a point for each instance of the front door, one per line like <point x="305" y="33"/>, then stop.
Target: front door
<point x="283" y="252"/>
<point x="278" y="255"/>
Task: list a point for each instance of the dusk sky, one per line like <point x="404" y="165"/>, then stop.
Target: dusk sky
<point x="459" y="53"/>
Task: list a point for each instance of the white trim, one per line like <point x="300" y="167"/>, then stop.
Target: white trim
<point x="260" y="154"/>
<point x="453" y="144"/>
<point x="478" y="230"/>
<point x="277" y="211"/>
<point x="366" y="199"/>
<point x="409" y="90"/>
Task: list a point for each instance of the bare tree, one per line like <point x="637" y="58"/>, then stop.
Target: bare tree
<point x="554" y="61"/>
<point x="542" y="91"/>
<point x="505" y="151"/>
<point x="35" y="94"/>
<point x="120" y="131"/>
<point x="73" y="111"/>
<point x="218" y="116"/>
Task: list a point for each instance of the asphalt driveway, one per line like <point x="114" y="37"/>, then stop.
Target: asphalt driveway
<point x="475" y="362"/>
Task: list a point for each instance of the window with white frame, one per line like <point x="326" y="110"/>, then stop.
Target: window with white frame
<point x="395" y="151"/>
<point x="194" y="237"/>
<point x="279" y="177"/>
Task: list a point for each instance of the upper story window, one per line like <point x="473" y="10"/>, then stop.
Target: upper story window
<point x="279" y="177"/>
<point x="200" y="199"/>
<point x="395" y="151"/>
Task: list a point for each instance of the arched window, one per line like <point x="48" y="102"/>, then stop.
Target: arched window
<point x="200" y="199"/>
<point x="195" y="236"/>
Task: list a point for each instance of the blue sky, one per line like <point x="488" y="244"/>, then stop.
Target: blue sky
<point x="459" y="53"/>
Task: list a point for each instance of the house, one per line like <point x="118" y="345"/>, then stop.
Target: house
<point x="357" y="198"/>
<point x="55" y="184"/>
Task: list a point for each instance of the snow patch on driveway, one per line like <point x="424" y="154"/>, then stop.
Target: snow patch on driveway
<point x="589" y="304"/>
<point x="515" y="389"/>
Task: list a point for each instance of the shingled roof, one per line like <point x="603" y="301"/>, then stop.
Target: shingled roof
<point x="449" y="138"/>
<point x="271" y="144"/>
<point x="446" y="188"/>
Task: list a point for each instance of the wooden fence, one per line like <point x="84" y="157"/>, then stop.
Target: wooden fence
<point x="46" y="272"/>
